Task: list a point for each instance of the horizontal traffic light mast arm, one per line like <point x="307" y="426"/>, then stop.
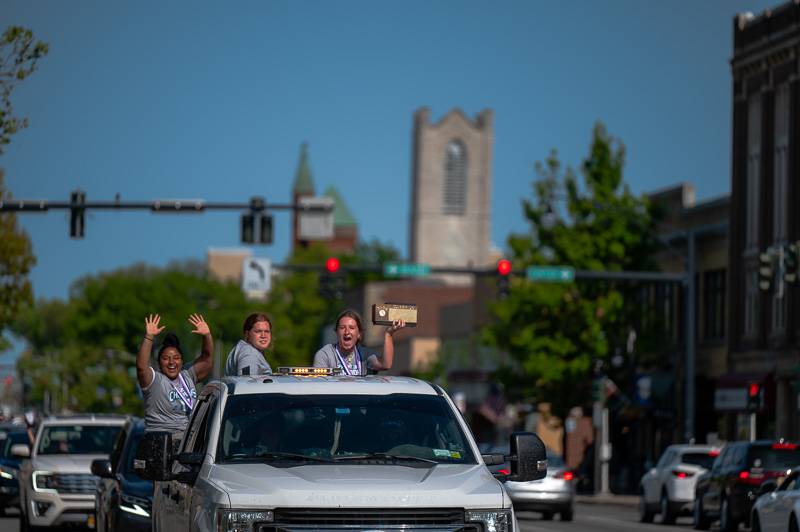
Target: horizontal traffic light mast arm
<point x="667" y="277"/>
<point x="166" y="206"/>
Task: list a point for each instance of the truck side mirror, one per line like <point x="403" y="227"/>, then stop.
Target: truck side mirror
<point x="528" y="457"/>
<point x="153" y="460"/>
<point x="102" y="468"/>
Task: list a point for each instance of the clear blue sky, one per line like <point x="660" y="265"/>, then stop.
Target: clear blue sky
<point x="212" y="100"/>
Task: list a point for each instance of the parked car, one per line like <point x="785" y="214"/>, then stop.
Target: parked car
<point x="777" y="507"/>
<point x="56" y="484"/>
<point x="668" y="488"/>
<point x="554" y="494"/>
<point x="729" y="489"/>
<point x="10" y="435"/>
<point x="123" y="499"/>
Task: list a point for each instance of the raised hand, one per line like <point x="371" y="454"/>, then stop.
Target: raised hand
<point x="151" y="323"/>
<point x="396" y="326"/>
<point x="199" y="324"/>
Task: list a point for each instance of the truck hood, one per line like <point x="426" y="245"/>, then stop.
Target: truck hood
<point x="358" y="486"/>
<point x="66" y="463"/>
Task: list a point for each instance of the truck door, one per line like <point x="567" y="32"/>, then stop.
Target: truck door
<point x="196" y="442"/>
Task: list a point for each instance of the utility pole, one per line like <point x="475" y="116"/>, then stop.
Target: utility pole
<point x="691" y="336"/>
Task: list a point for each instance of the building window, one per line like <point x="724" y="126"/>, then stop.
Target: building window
<point x="750" y="302"/>
<point x="753" y="169"/>
<point x="714" y="305"/>
<point x="781" y="177"/>
<point x="455" y="178"/>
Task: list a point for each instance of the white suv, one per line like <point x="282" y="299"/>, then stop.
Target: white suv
<point x="280" y="452"/>
<point x="668" y="488"/>
<point x="56" y="484"/>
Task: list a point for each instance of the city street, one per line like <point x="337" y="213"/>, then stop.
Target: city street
<point x="595" y="517"/>
<point x="598" y="518"/>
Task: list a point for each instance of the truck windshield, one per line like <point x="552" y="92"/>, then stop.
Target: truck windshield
<point x="345" y="429"/>
<point x="77" y="439"/>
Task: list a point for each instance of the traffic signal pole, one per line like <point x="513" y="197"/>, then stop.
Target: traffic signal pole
<point x="256" y="209"/>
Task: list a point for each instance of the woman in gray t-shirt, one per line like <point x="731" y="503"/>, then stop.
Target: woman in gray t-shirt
<point x="169" y="393"/>
<point x="247" y="356"/>
<point x="347" y="353"/>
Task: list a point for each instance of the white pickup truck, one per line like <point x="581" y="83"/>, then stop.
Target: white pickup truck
<point x="281" y="452"/>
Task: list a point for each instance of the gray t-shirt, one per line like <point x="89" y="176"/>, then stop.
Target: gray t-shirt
<point x="244" y="359"/>
<point x="326" y="357"/>
<point x="165" y="401"/>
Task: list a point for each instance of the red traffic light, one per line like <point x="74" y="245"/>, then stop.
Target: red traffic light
<point x="753" y="389"/>
<point x="332" y="264"/>
<point x="503" y="266"/>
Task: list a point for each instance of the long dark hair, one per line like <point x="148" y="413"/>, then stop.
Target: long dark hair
<point x="170" y="340"/>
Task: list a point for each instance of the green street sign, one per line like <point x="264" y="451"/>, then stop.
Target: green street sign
<point x="399" y="269"/>
<point x="551" y="274"/>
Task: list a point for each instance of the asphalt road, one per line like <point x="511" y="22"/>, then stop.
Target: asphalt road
<point x="594" y="517"/>
<point x="600" y="518"/>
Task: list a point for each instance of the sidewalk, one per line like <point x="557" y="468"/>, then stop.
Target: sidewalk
<point x="608" y="499"/>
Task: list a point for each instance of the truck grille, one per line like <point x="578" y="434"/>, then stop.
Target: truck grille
<point x="431" y="519"/>
<point x="74" y="483"/>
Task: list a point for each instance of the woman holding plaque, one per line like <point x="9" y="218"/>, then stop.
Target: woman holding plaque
<point x="347" y="353"/>
<point x="169" y="393"/>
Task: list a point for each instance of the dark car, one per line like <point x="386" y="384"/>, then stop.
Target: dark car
<point x="10" y="435"/>
<point x="123" y="500"/>
<point x="727" y="492"/>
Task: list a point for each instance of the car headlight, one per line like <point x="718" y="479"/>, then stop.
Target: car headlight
<point x="241" y="520"/>
<point x="8" y="473"/>
<point x="44" y="481"/>
<point x="134" y="505"/>
<point x="492" y="520"/>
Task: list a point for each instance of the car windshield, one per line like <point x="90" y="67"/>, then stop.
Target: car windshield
<point x="405" y="429"/>
<point x="9" y="439"/>
<point x="774" y="458"/>
<point x="77" y="439"/>
<point x="703" y="460"/>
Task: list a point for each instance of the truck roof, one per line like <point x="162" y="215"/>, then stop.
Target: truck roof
<point x="328" y="385"/>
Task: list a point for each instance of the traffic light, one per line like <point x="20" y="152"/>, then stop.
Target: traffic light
<point x="503" y="281"/>
<point x="790" y="262"/>
<point x="265" y="232"/>
<point x="765" y="270"/>
<point x="248" y="228"/>
<point x="755" y="394"/>
<point x="77" y="214"/>
<point x="331" y="283"/>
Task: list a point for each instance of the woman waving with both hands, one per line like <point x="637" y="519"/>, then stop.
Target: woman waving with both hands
<point x="169" y="394"/>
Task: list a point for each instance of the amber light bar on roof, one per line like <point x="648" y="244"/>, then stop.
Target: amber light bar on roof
<point x="304" y="370"/>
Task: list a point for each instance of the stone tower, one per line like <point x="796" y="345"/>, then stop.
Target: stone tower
<point x="303" y="187"/>
<point x="451" y="189"/>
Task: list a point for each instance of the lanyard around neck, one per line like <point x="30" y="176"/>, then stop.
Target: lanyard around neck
<point x="345" y="365"/>
<point x="183" y="391"/>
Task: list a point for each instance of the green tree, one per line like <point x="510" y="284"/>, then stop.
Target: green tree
<point x="19" y="56"/>
<point x="555" y="334"/>
<point x="16" y="261"/>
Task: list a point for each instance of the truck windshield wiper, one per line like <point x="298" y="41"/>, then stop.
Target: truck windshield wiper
<point x="384" y="456"/>
<point x="273" y="455"/>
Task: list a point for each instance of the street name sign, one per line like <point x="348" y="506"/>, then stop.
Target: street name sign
<point x="411" y="269"/>
<point x="551" y="274"/>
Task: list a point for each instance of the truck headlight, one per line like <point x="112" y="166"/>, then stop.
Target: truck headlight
<point x="492" y="520"/>
<point x="43" y="481"/>
<point x="241" y="520"/>
<point x="134" y="505"/>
